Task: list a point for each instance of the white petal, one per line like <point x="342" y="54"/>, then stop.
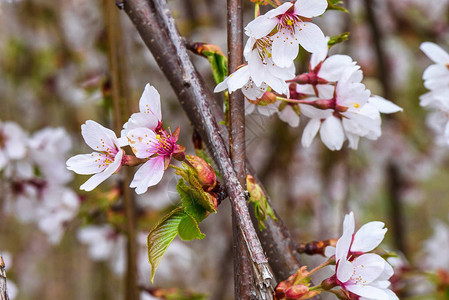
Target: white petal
<point x="367" y="268"/>
<point x="310" y="37"/>
<point x="310" y="9"/>
<point x="86" y="164"/>
<point x="329" y="251"/>
<point x="332" y="133"/>
<point x="279" y="10"/>
<point x="98" y="178"/>
<point x="138" y="120"/>
<point x="368" y="291"/>
<point x="260" y="26"/>
<point x="267" y="110"/>
<point x="344" y="270"/>
<point x="98" y="137"/>
<point x="344" y="242"/>
<point x="285" y="48"/>
<point x="383" y="105"/>
<point x="435" y="52"/>
<point x="289" y="116"/>
<point x="150" y="102"/>
<point x="310" y="132"/>
<point x="238" y="79"/>
<point x="318" y="56"/>
<point x="369" y="236"/>
<point x="333" y="67"/>
<point x="149" y="174"/>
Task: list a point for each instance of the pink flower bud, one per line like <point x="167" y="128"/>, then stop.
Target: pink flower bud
<point x="206" y="174"/>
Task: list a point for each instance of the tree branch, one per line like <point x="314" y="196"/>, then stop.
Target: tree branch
<point x="3" y="287"/>
<point x="275" y="239"/>
<point x="243" y="276"/>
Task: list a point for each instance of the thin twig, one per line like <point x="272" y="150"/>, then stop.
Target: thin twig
<point x="120" y="95"/>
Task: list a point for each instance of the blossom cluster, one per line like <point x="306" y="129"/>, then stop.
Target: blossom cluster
<point x="331" y="94"/>
<point x="436" y="80"/>
<point x="152" y="145"/>
<point x="35" y="178"/>
<point x="358" y="272"/>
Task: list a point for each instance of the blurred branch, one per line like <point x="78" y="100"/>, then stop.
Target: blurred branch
<point x="120" y="95"/>
<point x="243" y="277"/>
<point x="200" y="105"/>
<point x="3" y="287"/>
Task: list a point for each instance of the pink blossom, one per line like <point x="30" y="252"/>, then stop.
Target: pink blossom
<point x="158" y="147"/>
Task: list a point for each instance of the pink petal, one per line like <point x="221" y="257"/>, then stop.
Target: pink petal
<point x="310" y="37"/>
<point x="310" y="9"/>
<point x="150" y="102"/>
<point x="149" y="174"/>
<point x="143" y="142"/>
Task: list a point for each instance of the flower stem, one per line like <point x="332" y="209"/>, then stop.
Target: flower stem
<point x="326" y="263"/>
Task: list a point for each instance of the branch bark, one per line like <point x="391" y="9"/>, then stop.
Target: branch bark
<point x="276" y="238"/>
<point x="3" y="286"/>
<point x="243" y="276"/>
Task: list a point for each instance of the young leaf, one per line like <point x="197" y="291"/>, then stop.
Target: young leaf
<point x="218" y="61"/>
<point x="188" y="229"/>
<point x="336" y="39"/>
<point x="261" y="207"/>
<point x="190" y="202"/>
<point x="161" y="236"/>
<point x="336" y="5"/>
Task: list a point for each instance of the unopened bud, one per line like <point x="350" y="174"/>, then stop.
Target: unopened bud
<point x="206" y="174"/>
<point x="131" y="160"/>
<point x="267" y="98"/>
<point x="296" y="292"/>
<point x="329" y="283"/>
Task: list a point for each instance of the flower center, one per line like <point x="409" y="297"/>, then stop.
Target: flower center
<point x="263" y="46"/>
<point x="165" y="145"/>
<point x="288" y="21"/>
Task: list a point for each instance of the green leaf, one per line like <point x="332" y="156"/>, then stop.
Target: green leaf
<point x="336" y="5"/>
<point x="190" y="202"/>
<point x="161" y="236"/>
<point x="188" y="229"/>
<point x="262" y="208"/>
<point x="338" y="39"/>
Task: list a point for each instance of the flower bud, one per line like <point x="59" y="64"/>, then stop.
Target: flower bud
<point x="296" y="292"/>
<point x="206" y="174"/>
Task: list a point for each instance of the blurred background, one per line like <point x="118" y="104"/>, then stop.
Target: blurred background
<point x="55" y="73"/>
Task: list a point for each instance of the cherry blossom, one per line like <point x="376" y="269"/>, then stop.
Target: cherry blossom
<point x="103" y="163"/>
<point x="12" y="143"/>
<point x="358" y="272"/>
<point x="349" y="112"/>
<point x="292" y="23"/>
<point x="150" y="115"/>
<point x="158" y="147"/>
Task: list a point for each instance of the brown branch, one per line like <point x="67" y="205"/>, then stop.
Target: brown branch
<point x="120" y="95"/>
<point x="276" y="238"/>
<point x="3" y="287"/>
<point x="243" y="277"/>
